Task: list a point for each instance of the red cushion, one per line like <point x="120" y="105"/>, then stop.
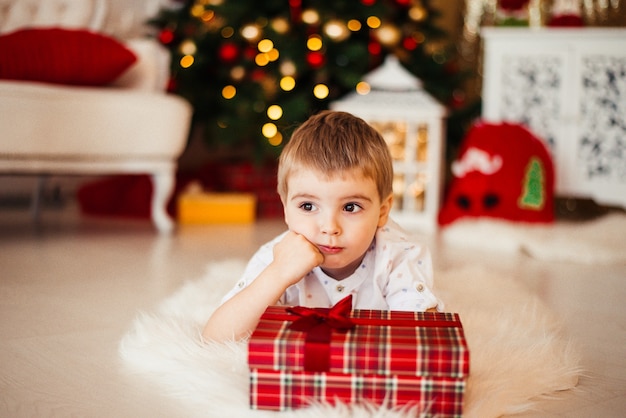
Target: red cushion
<point x="63" y="56"/>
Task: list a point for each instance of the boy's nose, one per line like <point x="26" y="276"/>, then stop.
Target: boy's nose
<point x="330" y="226"/>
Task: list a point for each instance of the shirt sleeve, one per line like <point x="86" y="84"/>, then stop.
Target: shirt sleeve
<point x="259" y="261"/>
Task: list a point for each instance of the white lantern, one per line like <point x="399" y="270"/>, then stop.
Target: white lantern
<point x="411" y="122"/>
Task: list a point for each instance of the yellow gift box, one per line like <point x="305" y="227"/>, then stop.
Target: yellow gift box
<point x="212" y="208"/>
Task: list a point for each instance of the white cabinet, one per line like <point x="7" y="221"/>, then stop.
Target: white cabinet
<point x="569" y="87"/>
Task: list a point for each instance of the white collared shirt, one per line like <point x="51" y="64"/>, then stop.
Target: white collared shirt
<point x="395" y="274"/>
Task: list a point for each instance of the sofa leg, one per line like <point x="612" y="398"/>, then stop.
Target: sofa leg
<point x="35" y="207"/>
<point x="162" y="187"/>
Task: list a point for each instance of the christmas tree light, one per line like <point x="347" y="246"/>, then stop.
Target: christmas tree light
<point x="254" y="70"/>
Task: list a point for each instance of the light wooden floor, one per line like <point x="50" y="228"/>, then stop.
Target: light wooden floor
<point x="70" y="287"/>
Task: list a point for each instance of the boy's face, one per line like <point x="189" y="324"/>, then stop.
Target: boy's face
<point x="339" y="215"/>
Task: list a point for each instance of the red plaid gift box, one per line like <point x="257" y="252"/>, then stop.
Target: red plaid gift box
<point x="298" y="355"/>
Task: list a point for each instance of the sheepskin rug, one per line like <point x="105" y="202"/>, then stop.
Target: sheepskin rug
<point x="597" y="241"/>
<point x="518" y="353"/>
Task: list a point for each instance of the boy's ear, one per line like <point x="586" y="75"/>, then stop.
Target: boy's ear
<point x="385" y="208"/>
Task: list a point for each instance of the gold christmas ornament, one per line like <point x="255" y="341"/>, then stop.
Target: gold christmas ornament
<point x="276" y="140"/>
<point x="373" y="22"/>
<point x="274" y="112"/>
<point x="273" y="54"/>
<point x="237" y="73"/>
<point x="314" y="43"/>
<point x="197" y="10"/>
<point x="187" y="61"/>
<point x="227" y="32"/>
<point x="287" y="68"/>
<point x="280" y="25"/>
<point x="310" y="16"/>
<point x="321" y="91"/>
<point x="336" y="30"/>
<point x="388" y="34"/>
<point x="188" y="47"/>
<point x="265" y="45"/>
<point x="363" y="87"/>
<point x="269" y="130"/>
<point x="251" y="32"/>
<point x="228" y="92"/>
<point x="287" y="83"/>
<point x="261" y="59"/>
<point x="418" y="13"/>
<point x="354" y="25"/>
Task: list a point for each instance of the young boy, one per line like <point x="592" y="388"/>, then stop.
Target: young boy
<point x="335" y="182"/>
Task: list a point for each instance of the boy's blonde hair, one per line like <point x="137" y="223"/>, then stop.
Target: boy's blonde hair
<point x="332" y="143"/>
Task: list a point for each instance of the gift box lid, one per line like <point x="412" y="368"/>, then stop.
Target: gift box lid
<point x="377" y="342"/>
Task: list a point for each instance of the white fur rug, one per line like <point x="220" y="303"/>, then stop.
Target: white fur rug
<point x="516" y="349"/>
<point x="601" y="240"/>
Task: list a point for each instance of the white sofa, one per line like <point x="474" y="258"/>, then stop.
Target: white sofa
<point x="130" y="126"/>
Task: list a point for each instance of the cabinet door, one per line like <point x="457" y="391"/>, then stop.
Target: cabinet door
<point x="601" y="114"/>
<point x="525" y="81"/>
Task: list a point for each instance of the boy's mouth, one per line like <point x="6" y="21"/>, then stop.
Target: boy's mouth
<point x="327" y="249"/>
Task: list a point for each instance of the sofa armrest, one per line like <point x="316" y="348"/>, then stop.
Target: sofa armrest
<point x="151" y="71"/>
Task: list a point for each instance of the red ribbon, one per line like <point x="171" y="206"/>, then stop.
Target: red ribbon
<point x="318" y="324"/>
<point x="378" y="322"/>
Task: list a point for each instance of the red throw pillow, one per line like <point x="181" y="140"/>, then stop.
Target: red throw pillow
<point x="63" y="56"/>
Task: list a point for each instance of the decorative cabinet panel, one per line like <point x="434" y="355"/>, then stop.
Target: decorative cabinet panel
<point x="569" y="87"/>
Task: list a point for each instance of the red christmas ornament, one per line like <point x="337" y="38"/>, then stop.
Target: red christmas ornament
<point x="315" y="59"/>
<point x="403" y="2"/>
<point x="295" y="10"/>
<point x="166" y="36"/>
<point x="228" y="52"/>
<point x="512" y="5"/>
<point x="250" y="52"/>
<point x="374" y="48"/>
<point x="368" y="2"/>
<point x="257" y="75"/>
<point x="409" y="43"/>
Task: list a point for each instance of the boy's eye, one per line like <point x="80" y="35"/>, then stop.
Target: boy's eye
<point x="307" y="206"/>
<point x="352" y="207"/>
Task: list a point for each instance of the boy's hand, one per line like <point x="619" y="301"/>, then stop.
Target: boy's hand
<point x="296" y="256"/>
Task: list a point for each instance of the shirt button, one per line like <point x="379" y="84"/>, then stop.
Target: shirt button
<point x="241" y="284"/>
<point x="420" y="287"/>
<point x="339" y="288"/>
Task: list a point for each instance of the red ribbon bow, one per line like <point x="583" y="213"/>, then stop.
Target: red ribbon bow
<point x="318" y="325"/>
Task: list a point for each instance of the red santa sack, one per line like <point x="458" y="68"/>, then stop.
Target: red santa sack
<point x="502" y="171"/>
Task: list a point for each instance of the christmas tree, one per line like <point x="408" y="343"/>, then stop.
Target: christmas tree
<point x="254" y="70"/>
